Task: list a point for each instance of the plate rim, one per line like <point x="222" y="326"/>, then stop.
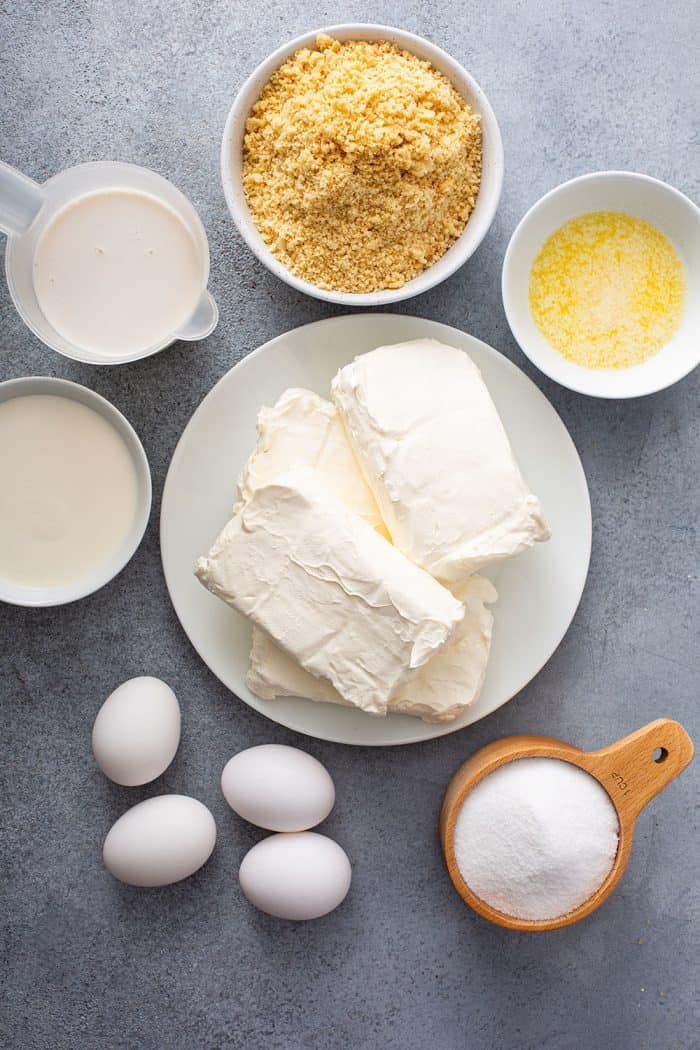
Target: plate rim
<point x="438" y="729"/>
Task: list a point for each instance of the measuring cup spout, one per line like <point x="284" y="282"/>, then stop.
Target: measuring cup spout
<point x="20" y="200"/>
<point x="203" y="321"/>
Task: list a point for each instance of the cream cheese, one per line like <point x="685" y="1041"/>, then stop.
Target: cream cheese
<point x="303" y="430"/>
<point x="434" y="452"/>
<point x="327" y="588"/>
<point x="439" y="691"/>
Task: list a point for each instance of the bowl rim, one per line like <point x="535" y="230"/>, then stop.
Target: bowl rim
<point x="428" y="278"/>
<point x="12" y="593"/>
<point x="657" y="186"/>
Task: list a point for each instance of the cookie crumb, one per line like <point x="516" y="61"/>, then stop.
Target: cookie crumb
<point x="361" y="164"/>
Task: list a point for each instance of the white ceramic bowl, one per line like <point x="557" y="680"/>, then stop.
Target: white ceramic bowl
<point x="491" y="176"/>
<point x="15" y="593"/>
<point x="657" y="202"/>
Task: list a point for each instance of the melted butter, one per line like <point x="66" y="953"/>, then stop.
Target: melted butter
<point x="607" y="290"/>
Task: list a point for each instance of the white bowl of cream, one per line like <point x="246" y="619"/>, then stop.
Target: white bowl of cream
<point x="76" y="491"/>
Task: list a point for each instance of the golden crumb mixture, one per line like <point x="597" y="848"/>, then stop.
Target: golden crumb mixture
<point x="361" y="164"/>
<point x="607" y="290"/>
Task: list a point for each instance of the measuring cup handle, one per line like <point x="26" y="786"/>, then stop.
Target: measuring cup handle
<point x="636" y="768"/>
<point x="20" y="200"/>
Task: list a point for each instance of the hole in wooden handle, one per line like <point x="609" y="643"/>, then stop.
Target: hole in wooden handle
<point x="635" y="769"/>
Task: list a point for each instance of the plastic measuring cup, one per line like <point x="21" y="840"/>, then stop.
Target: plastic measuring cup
<point x="26" y="209"/>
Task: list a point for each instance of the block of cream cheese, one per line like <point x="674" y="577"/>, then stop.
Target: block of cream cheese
<point x="434" y="452"/>
<point x="440" y="691"/>
<point x="303" y="430"/>
<point x="337" y="596"/>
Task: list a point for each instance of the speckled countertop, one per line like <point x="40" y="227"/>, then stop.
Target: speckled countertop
<point x="89" y="963"/>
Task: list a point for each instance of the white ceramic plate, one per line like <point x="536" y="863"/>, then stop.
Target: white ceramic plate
<point x="538" y="591"/>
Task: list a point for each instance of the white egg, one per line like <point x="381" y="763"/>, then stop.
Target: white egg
<point x="279" y="788"/>
<point x="159" y="841"/>
<point x="137" y="731"/>
<point x="297" y="876"/>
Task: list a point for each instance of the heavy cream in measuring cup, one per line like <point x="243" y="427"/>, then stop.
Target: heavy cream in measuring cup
<point x="68" y="490"/>
<point x="117" y="271"/>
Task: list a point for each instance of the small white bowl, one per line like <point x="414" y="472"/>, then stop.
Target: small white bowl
<point x="17" y="594"/>
<point x="491" y="175"/>
<point x="658" y="203"/>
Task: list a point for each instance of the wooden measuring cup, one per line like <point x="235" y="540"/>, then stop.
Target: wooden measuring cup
<point x="632" y="771"/>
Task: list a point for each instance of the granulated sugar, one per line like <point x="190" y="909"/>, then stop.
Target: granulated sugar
<point x="536" y="838"/>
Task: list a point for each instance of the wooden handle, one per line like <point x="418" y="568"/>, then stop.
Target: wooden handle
<point x="635" y="769"/>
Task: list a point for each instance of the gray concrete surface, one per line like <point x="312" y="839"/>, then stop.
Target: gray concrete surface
<point x="89" y="963"/>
